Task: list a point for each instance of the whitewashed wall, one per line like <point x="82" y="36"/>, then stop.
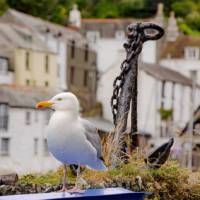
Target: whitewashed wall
<point x="149" y="100"/>
<point x="21" y="158"/>
<point x="6" y="78"/>
<point x="185" y="66"/>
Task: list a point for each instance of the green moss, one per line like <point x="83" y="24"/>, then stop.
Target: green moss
<point x="165" y="114"/>
<point x="52" y="178"/>
<point x="168" y="182"/>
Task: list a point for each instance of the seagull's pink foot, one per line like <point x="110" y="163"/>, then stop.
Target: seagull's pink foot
<point x="64" y="189"/>
<point x="75" y="190"/>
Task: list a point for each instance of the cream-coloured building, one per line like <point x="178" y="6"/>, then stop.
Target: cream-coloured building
<point x="35" y="68"/>
<point x="32" y="63"/>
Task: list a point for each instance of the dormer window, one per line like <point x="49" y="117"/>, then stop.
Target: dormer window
<point x="3" y="65"/>
<point x="120" y="35"/>
<point x="192" y="53"/>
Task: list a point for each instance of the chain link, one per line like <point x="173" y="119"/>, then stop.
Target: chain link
<point x="133" y="47"/>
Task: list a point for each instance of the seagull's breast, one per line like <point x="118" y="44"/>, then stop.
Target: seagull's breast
<point x="67" y="142"/>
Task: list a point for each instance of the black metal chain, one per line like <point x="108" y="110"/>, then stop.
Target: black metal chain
<point x="133" y="47"/>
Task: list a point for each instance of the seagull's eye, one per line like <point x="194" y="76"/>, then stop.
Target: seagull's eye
<point x="59" y="99"/>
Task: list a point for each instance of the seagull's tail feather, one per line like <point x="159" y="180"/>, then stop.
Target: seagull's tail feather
<point x="98" y="165"/>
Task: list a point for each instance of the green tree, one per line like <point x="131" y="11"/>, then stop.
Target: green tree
<point x="183" y="8"/>
<point x="3" y="6"/>
<point x="43" y="8"/>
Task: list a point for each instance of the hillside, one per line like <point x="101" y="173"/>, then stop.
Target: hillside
<point x="187" y="11"/>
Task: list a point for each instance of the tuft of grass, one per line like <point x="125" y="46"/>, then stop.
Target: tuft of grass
<point x="52" y="178"/>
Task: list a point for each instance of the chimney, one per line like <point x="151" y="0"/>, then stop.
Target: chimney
<point x="160" y="14"/>
<point x="172" y="28"/>
<point x="75" y="17"/>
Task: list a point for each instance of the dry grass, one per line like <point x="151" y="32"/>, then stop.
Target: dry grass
<point x="169" y="182"/>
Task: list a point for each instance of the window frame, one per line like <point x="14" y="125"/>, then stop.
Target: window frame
<point x="45" y="147"/>
<point x="86" y="53"/>
<point x="27" y="117"/>
<point x="27" y="60"/>
<point x="4" y="116"/>
<point x="72" y="74"/>
<point x="73" y="44"/>
<point x="35" y="146"/>
<point x="85" y="78"/>
<point x="47" y="64"/>
<point x="7" y="151"/>
<point x="188" y="53"/>
<point x="4" y="69"/>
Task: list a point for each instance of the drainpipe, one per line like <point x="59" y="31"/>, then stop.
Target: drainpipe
<point x="190" y="133"/>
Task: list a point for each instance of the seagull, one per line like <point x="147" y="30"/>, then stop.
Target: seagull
<point x="70" y="138"/>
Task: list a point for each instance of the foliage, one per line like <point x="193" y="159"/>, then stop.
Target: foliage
<point x="188" y="11"/>
<point x="53" y="178"/>
<point x="3" y="6"/>
<point x="165" y="114"/>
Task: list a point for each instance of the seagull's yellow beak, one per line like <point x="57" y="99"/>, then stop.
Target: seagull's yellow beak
<point x="44" y="104"/>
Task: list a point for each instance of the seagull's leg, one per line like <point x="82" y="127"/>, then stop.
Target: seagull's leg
<point x="64" y="187"/>
<point x="75" y="189"/>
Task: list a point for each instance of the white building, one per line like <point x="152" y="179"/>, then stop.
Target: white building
<point x="6" y="74"/>
<point x="151" y="97"/>
<point x="23" y="147"/>
<point x="160" y="85"/>
<point x="55" y="36"/>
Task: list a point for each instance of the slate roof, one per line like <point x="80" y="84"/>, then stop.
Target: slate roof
<point x="176" y="49"/>
<point x="42" y="26"/>
<point x="23" y="96"/>
<point x="12" y="35"/>
<point x="165" y="74"/>
<point x="108" y="27"/>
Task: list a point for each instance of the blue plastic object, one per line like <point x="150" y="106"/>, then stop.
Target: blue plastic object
<point x="91" y="194"/>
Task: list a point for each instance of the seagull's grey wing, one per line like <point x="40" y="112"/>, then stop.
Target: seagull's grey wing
<point x="92" y="136"/>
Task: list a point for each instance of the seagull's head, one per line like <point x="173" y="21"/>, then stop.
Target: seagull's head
<point x="65" y="101"/>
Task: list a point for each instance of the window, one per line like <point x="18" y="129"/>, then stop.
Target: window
<point x="72" y="49"/>
<point x="58" y="70"/>
<point x="27" y="82"/>
<point x="86" y="53"/>
<point x="85" y="78"/>
<point x="47" y="64"/>
<point x="36" y="115"/>
<point x="4" y="116"/>
<point x="192" y="53"/>
<point x="47" y="116"/>
<point x="119" y="35"/>
<point x="27" y="61"/>
<point x="46" y="151"/>
<point x="35" y="146"/>
<point x="28" y="117"/>
<point x="5" y="146"/>
<point x="72" y="71"/>
<point x="3" y="65"/>
<point x="46" y="83"/>
<point x="93" y="36"/>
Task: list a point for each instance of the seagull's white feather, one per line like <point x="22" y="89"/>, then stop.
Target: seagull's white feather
<point x="71" y="139"/>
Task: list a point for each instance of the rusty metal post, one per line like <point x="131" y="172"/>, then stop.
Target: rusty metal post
<point x="125" y="85"/>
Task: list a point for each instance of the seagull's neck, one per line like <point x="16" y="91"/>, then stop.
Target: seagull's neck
<point x="66" y="114"/>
